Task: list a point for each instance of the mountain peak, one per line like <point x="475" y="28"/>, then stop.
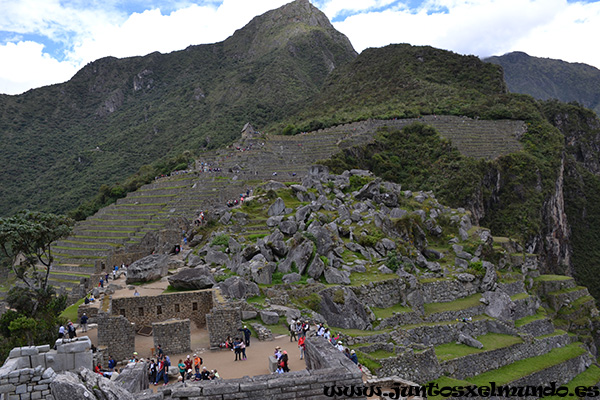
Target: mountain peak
<point x="275" y="29"/>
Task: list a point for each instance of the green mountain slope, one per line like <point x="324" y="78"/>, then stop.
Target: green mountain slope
<point x="63" y="141"/>
<point x="545" y="78"/>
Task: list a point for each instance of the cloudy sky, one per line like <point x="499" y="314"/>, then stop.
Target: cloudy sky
<point x="47" y="41"/>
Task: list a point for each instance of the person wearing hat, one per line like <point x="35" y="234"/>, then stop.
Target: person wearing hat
<point x="84" y="321"/>
<point x="278" y="352"/>
<point x="353" y="357"/>
<point x="247" y="334"/>
<point x="340" y="346"/>
<point x="134" y="358"/>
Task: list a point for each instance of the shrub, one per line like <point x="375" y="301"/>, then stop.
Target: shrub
<point x="220" y="240"/>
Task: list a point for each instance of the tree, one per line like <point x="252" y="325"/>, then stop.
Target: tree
<point x="25" y="239"/>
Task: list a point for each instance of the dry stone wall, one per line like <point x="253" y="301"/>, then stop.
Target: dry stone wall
<point x="28" y="371"/>
<point x="223" y="322"/>
<point x="445" y="291"/>
<point x="174" y="336"/>
<point x="144" y="310"/>
<point x="118" y="335"/>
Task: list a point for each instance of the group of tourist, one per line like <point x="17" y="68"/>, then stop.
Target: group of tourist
<point x="69" y="330"/>
<point x="282" y="360"/>
<point x="336" y="341"/>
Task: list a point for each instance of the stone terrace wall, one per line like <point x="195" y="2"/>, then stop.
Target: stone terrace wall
<point x="144" y="310"/>
<point x="174" y="336"/>
<point x="382" y="294"/>
<point x="118" y="335"/>
<point x="223" y="322"/>
<point x="475" y="364"/>
<point x="512" y="288"/>
<point x="417" y="366"/>
<point x="28" y="371"/>
<point x="326" y="365"/>
<point x="445" y="291"/>
<point x="526" y="307"/>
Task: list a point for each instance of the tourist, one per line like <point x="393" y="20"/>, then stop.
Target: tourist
<point x="217" y="376"/>
<point x="278" y="353"/>
<point x="160" y="370"/>
<point x="327" y="334"/>
<point x="284" y="361"/>
<point x="84" y="321"/>
<point x="197" y="363"/>
<point x="320" y="330"/>
<point x="111" y="363"/>
<point x="205" y="374"/>
<point x="134" y="357"/>
<point x="247" y="334"/>
<point x="182" y="369"/>
<point x="101" y="284"/>
<point x="237" y="343"/>
<point x="159" y="352"/>
<point x="61" y="332"/>
<point x="279" y="369"/>
<point x="136" y="293"/>
<point x="71" y="329"/>
<point x="243" y="350"/>
<point x="340" y="346"/>
<point x="152" y="371"/>
<point x="188" y="363"/>
<point x="302" y="346"/>
<point x="354" y="357"/>
<point x="98" y="369"/>
<point x="293" y="331"/>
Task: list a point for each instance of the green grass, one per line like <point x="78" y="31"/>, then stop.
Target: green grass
<point x="389" y="312"/>
<point x="519" y="296"/>
<point x="490" y="341"/>
<point x="460" y="304"/>
<point x="547" y="278"/>
<point x="70" y="313"/>
<point x="367" y="361"/>
<point x="566" y="290"/>
<point x="370" y="275"/>
<point x="519" y="369"/>
<point x="557" y="332"/>
<point x="359" y="332"/>
<point x="379" y="354"/>
<point x="526" y="320"/>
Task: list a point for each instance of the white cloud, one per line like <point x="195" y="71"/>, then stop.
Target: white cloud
<point x="28" y="66"/>
<point x="484" y="27"/>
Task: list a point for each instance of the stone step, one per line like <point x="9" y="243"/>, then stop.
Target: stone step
<point x="95" y="233"/>
<point x="86" y="245"/>
<point x="97" y="239"/>
<point x="77" y="252"/>
<point x="545" y="284"/>
<point x="64" y="268"/>
<point x="564" y="297"/>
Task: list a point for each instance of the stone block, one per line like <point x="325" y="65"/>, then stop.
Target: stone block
<point x="221" y="389"/>
<point x="84" y="360"/>
<point x="48" y="373"/>
<point x="184" y="392"/>
<point x="36" y="395"/>
<point x="14" y="353"/>
<point x="269" y="318"/>
<point x="75" y="347"/>
<point x="29" y="351"/>
<point x="249" y="315"/>
<point x="7" y="388"/>
<point x="21" y="389"/>
<point x="38" y="359"/>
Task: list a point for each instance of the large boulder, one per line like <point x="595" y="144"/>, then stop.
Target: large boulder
<point x="148" y="269"/>
<point x="250" y="251"/>
<point x="239" y="288"/>
<point x="336" y="276"/>
<point x="341" y="308"/>
<point x="288" y="227"/>
<point x="277" y="208"/>
<point x="269" y="317"/>
<point x="192" y="279"/>
<point x="324" y="238"/>
<point x="262" y="270"/>
<point x="216" y="257"/>
<point x="85" y="384"/>
<point x="298" y="255"/>
<point x="134" y="377"/>
<point x="499" y="305"/>
<point x="469" y="341"/>
<point x="316" y="268"/>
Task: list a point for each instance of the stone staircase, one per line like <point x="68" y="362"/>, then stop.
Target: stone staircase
<point x="282" y="158"/>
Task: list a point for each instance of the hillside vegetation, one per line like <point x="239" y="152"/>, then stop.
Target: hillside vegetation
<point x="545" y="79"/>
